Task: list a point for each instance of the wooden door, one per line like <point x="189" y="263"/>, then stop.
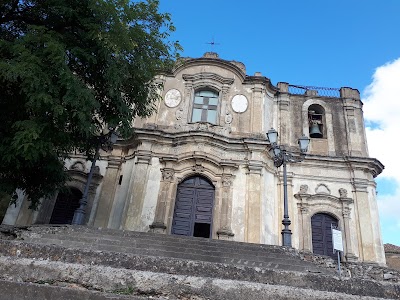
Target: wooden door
<point x="66" y="204"/>
<point x="193" y="208"/>
<point x="322" y="234"/>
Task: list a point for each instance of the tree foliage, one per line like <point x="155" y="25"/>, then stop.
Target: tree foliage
<point x="67" y="68"/>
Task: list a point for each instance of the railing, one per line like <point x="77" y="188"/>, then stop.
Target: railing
<point x="314" y="91"/>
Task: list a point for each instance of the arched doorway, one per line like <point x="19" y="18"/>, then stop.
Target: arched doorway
<point x="66" y="204"/>
<point x="193" y="208"/>
<point x="321" y="225"/>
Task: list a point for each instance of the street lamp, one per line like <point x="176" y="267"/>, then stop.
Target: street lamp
<point x="281" y="157"/>
<point x="105" y="141"/>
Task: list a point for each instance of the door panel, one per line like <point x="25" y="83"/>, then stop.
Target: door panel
<point x="194" y="204"/>
<point x="322" y="234"/>
<point x="66" y="204"/>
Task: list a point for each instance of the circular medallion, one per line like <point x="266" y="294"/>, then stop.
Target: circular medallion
<point x="239" y="103"/>
<point x="172" y="98"/>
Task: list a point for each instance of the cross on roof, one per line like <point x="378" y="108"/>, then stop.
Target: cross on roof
<point x="212" y="44"/>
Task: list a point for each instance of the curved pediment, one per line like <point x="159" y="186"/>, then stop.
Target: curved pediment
<point x="211" y="59"/>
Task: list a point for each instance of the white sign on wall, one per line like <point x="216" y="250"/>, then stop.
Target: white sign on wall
<point x="337" y="240"/>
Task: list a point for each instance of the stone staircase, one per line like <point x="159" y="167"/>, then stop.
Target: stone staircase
<point x="116" y="264"/>
<point x="172" y="246"/>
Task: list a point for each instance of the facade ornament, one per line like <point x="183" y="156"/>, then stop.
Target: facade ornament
<point x="167" y="174"/>
<point x="346" y="212"/>
<point x="227" y="181"/>
<point x="179" y="113"/>
<point x="322" y="189"/>
<point x="78" y="166"/>
<point x="198" y="168"/>
<point x="304" y="210"/>
<point x="303" y="189"/>
<point x="228" y="118"/>
<point x="343" y="193"/>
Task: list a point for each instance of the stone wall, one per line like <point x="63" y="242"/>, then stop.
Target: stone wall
<point x="392" y="253"/>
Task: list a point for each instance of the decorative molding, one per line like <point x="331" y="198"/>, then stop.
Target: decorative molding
<point x="208" y="76"/>
<point x="143" y="158"/>
<point x="78" y="166"/>
<point x="254" y="168"/>
<point x="228" y="118"/>
<point x="203" y="126"/>
<point x="167" y="174"/>
<point x="303" y="189"/>
<point x="198" y="168"/>
<point x="342" y="193"/>
<point x="179" y="113"/>
<point x="227" y="180"/>
<point x="225" y="233"/>
<point x="322" y="189"/>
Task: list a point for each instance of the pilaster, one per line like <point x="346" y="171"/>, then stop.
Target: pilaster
<point x="135" y="204"/>
<point x="225" y="231"/>
<point x="107" y="195"/>
<point x="159" y="224"/>
<point x="367" y="247"/>
<point x="253" y="202"/>
<point x="257" y="108"/>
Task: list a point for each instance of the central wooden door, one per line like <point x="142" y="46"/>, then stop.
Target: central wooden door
<point x="193" y="208"/>
<point x="66" y="204"/>
<point x="321" y="225"/>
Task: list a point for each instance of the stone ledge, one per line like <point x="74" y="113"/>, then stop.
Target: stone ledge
<point x="88" y="259"/>
<point x="42" y="279"/>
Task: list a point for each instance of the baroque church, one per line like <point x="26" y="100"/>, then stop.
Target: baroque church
<point x="201" y="166"/>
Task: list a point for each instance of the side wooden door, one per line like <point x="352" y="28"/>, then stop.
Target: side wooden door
<point x="321" y="225"/>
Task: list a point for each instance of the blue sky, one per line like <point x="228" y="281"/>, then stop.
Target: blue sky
<point x="337" y="43"/>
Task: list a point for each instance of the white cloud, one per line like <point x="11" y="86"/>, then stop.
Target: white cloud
<point x="382" y="106"/>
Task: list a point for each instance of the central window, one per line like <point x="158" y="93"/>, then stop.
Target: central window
<point x="205" y="106"/>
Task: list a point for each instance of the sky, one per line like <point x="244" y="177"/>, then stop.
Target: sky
<point x="341" y="43"/>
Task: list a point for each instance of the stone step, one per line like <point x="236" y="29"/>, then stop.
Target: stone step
<point x="174" y="278"/>
<point x="204" y="250"/>
<point x="136" y="239"/>
<point x="25" y="290"/>
<point x="294" y="265"/>
<point x="163" y="246"/>
<point x="133" y="235"/>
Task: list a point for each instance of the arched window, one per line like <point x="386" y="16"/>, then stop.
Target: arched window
<point x="205" y="106"/>
<point x="321" y="227"/>
<point x="66" y="204"/>
<point x="316" y="120"/>
<point x="194" y="208"/>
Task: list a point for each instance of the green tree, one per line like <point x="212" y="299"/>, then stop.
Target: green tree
<point x="67" y="68"/>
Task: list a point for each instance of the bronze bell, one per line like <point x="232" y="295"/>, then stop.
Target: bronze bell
<point x="315" y="132"/>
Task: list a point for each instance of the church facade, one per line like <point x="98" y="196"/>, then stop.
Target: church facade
<point x="201" y="166"/>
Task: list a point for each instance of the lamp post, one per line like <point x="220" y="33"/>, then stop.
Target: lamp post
<point x="105" y="141"/>
<point x="281" y="157"/>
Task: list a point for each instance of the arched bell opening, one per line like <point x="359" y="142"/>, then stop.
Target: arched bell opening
<point x="193" y="213"/>
<point x="316" y="120"/>
<point x="66" y="204"/>
<point x="321" y="227"/>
